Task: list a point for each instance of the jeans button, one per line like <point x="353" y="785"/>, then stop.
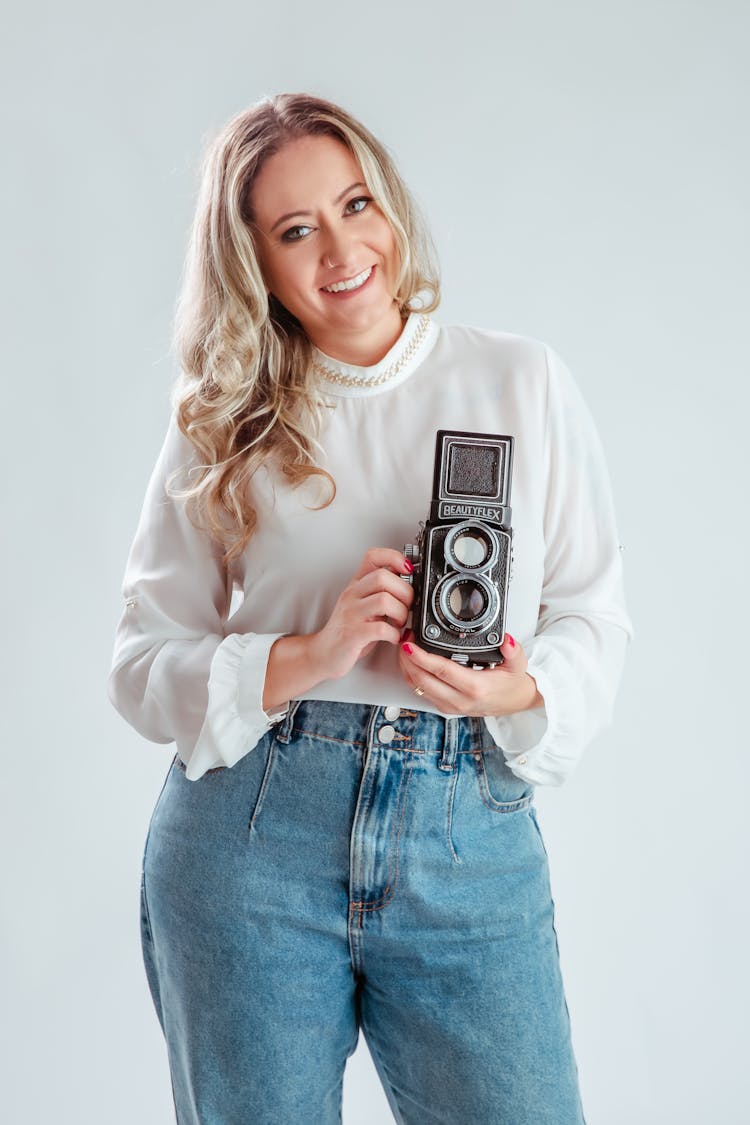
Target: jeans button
<point x="392" y="713"/>
<point x="386" y="733"/>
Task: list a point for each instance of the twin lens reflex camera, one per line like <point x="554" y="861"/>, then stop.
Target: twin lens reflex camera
<point x="464" y="552"/>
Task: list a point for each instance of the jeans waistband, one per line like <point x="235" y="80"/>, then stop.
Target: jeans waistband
<point x="363" y="725"/>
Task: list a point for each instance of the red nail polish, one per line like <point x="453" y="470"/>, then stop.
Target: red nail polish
<point x="510" y="639"/>
<point x="407" y="648"/>
<point x="409" y="566"/>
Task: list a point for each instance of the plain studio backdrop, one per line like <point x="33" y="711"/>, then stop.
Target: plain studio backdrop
<point x="584" y="168"/>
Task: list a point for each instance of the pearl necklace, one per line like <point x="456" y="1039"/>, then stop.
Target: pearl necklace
<point x="389" y="373"/>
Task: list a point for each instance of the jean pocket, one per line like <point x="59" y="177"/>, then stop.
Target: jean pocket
<point x="271" y="748"/>
<point x="499" y="787"/>
<point x="249" y="777"/>
<point x="180" y="765"/>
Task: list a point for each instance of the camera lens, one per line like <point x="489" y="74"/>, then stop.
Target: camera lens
<point x="465" y="604"/>
<point x="470" y="550"/>
<point x="467" y="601"/>
<point x="470" y="545"/>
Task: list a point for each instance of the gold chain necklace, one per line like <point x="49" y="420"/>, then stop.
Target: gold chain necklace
<point x="389" y="373"/>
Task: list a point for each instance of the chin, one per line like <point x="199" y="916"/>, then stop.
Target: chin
<point x="369" y="312"/>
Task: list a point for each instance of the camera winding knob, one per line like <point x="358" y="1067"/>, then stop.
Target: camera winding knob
<point x="411" y="552"/>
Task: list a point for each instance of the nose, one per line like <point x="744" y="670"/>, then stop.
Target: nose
<point x="337" y="249"/>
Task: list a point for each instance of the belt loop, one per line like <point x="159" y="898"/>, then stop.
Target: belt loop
<point x="370" y="723"/>
<point x="284" y="728"/>
<point x="450" y="746"/>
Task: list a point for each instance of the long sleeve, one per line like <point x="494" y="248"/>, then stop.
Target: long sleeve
<point x="177" y="675"/>
<point x="578" y="650"/>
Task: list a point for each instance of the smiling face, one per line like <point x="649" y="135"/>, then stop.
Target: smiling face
<point x="317" y="228"/>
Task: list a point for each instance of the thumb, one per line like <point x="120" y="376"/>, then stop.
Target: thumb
<point x="514" y="658"/>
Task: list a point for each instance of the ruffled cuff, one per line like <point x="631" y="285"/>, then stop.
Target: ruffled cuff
<point x="539" y="745"/>
<point x="235" y="720"/>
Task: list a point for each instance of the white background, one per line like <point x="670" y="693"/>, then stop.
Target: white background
<point x="584" y="167"/>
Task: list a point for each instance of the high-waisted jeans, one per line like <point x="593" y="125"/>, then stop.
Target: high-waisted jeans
<point x="361" y="867"/>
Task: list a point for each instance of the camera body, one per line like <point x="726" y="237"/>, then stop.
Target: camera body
<point x="464" y="551"/>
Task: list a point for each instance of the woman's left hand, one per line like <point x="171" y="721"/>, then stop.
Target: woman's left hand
<point x="456" y="690"/>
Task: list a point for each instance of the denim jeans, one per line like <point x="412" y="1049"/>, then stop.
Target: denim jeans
<point x="361" y="867"/>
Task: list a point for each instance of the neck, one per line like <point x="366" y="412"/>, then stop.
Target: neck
<point x="363" y="349"/>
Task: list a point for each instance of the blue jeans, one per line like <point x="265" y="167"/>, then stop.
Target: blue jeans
<point x="366" y="868"/>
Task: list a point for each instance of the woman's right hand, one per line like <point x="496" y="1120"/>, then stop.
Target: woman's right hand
<point x="373" y="607"/>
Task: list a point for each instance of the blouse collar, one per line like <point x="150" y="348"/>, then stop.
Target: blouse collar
<point x="350" y="381"/>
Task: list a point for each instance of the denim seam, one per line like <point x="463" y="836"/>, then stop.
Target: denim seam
<point x="390" y="890"/>
<point x="449" y="823"/>
<point x="144" y="908"/>
<point x="328" y="737"/>
<point x="364" y="799"/>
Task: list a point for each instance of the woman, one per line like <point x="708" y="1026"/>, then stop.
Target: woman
<point x="346" y="836"/>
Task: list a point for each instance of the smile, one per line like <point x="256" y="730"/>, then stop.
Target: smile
<point x="351" y="283"/>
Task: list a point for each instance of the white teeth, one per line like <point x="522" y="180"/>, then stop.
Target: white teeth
<point x="354" y="283"/>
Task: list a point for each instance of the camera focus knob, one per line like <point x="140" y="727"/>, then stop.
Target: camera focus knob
<point x="411" y="552"/>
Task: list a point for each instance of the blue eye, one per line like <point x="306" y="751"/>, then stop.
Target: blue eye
<point x="291" y="235"/>
<point x="363" y="199"/>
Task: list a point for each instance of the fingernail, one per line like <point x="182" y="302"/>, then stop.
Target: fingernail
<point x="510" y="640"/>
<point x="409" y="566"/>
<point x="407" y="648"/>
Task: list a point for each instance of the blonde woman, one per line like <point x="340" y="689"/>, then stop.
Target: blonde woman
<point x="346" y="837"/>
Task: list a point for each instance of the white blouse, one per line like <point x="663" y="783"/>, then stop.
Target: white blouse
<point x="190" y="668"/>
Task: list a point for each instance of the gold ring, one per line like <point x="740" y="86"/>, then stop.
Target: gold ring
<point x="419" y="691"/>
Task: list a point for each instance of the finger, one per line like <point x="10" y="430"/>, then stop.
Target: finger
<point x="384" y="556"/>
<point x="386" y="580"/>
<point x="514" y="658"/>
<point x="380" y="630"/>
<point x="460" y="679"/>
<point x="436" y="691"/>
<point x="383" y="604"/>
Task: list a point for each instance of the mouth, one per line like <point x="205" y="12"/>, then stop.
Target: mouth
<point x="349" y="285"/>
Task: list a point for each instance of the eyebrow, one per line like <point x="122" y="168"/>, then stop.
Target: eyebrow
<point x="295" y="214"/>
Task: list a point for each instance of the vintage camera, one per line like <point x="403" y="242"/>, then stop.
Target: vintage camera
<point x="463" y="555"/>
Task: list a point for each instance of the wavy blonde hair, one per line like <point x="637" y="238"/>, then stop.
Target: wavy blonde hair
<point x="246" y="391"/>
